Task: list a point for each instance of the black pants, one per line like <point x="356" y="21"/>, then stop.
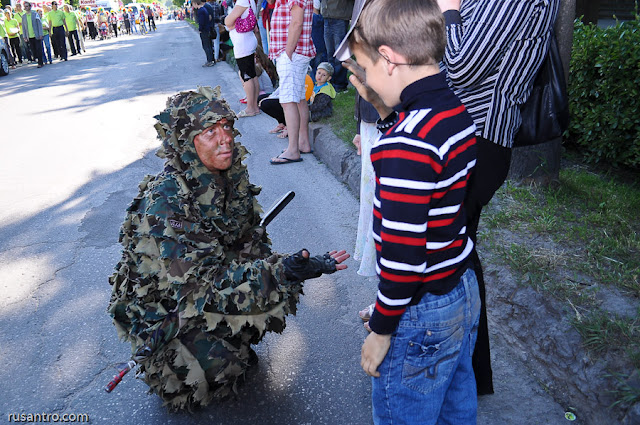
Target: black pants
<point x="272" y="108"/>
<point x="75" y="49"/>
<point x="15" y="48"/>
<point x="488" y="175"/>
<point x="59" y="42"/>
<point x="93" y="32"/>
<point x="12" y="61"/>
<point x="115" y="29"/>
<point x="36" y="49"/>
<point x="152" y="23"/>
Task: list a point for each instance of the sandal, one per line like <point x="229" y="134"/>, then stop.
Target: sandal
<point x="245" y="114"/>
<point x="283" y="134"/>
<point x="365" y="313"/>
<point x="278" y="129"/>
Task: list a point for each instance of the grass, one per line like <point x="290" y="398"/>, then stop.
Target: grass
<point x="342" y="121"/>
<point x="601" y="330"/>
<point x="570" y="241"/>
<point x="192" y="22"/>
<point x="625" y="393"/>
<point x="595" y="216"/>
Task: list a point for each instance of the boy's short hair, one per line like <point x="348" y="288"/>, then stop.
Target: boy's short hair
<point x="327" y="67"/>
<point x="413" y="28"/>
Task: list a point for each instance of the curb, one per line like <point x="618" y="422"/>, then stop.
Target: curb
<point x="343" y="161"/>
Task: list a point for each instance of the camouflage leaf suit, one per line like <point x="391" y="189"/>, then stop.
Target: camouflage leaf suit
<point x="197" y="283"/>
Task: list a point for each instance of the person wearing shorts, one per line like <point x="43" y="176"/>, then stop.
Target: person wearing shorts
<point x="244" y="49"/>
<point x="292" y="18"/>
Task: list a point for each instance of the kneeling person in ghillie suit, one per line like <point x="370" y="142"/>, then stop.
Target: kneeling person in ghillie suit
<point x="197" y="283"/>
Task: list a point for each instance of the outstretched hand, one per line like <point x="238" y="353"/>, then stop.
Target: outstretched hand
<point x="301" y="266"/>
<point x="339" y="256"/>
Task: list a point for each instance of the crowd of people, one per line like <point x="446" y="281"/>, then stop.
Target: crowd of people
<point x="40" y="35"/>
<point x="250" y="27"/>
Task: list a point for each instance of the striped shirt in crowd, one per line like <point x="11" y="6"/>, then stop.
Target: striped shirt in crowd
<point x="422" y="166"/>
<point x="492" y="71"/>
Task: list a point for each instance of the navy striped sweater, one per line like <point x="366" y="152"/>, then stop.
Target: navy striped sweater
<point x="422" y="167"/>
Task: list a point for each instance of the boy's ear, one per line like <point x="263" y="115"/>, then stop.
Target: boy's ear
<point x="389" y="56"/>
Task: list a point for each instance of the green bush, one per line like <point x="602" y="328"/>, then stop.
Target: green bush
<point x="604" y="87"/>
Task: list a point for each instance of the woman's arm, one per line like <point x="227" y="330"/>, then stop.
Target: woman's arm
<point x="230" y="20"/>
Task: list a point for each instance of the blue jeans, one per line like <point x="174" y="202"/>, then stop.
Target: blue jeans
<point x="334" y="32"/>
<point x="46" y="40"/>
<point x="426" y="376"/>
<point x="317" y="36"/>
<point x="263" y="36"/>
<point x="216" y="43"/>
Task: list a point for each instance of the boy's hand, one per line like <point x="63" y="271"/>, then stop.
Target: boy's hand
<point x="374" y="350"/>
<point x="358" y="79"/>
<point x="449" y="5"/>
<point x="357" y="144"/>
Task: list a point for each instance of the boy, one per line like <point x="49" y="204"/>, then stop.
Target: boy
<point x="424" y="324"/>
<point x="320" y="103"/>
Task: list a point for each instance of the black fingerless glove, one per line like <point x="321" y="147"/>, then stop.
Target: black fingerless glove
<point x="298" y="268"/>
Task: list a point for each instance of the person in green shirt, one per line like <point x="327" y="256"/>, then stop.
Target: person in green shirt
<point x="32" y="32"/>
<point x="72" y="29"/>
<point x="13" y="32"/>
<point x="46" y="38"/>
<point x="4" y="36"/>
<point x="58" y="27"/>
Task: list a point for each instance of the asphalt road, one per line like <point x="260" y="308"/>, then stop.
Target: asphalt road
<point x="77" y="137"/>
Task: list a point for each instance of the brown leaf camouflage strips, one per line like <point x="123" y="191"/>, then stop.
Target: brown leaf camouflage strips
<point x="197" y="283"/>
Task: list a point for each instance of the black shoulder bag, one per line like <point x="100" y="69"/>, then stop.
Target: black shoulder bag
<point x="545" y="114"/>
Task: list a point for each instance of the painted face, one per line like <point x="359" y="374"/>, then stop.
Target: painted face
<point x="378" y="78"/>
<point x="322" y="76"/>
<point x="214" y="146"/>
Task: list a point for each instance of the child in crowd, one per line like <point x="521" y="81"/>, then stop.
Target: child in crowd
<point x="424" y="323"/>
<point x="104" y="31"/>
<point x="321" y="101"/>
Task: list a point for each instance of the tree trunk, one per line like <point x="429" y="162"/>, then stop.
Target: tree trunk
<point x="541" y="163"/>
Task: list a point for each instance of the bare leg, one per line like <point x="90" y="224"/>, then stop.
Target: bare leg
<point x="252" y="95"/>
<point x="303" y="136"/>
<point x="292" y="118"/>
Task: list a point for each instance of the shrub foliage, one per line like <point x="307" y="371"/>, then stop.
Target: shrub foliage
<point x="604" y="88"/>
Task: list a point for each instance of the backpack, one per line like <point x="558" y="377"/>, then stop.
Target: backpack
<point x="210" y="11"/>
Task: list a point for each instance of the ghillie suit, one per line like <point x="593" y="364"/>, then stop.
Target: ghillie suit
<point x="197" y="283"/>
